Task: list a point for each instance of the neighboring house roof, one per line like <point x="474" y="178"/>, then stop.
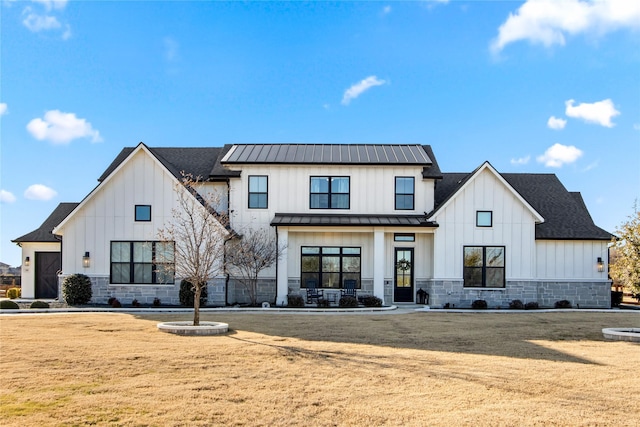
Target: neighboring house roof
<point x="44" y="232"/>
<point x="201" y="162"/>
<point x="285" y="219"/>
<point x="565" y="214"/>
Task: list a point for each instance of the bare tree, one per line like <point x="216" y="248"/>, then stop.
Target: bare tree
<point x="625" y="267"/>
<point x="249" y="255"/>
<point x="199" y="234"/>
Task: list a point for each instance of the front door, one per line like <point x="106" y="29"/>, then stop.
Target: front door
<point x="403" y="283"/>
<point x="47" y="266"/>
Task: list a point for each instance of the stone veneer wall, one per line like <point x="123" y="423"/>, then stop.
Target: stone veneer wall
<point x="238" y="293"/>
<point x="584" y="294"/>
<point x="145" y="294"/>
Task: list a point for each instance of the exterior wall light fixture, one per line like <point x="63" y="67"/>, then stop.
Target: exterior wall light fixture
<point x="600" y="265"/>
<point x="27" y="262"/>
<point x="86" y="260"/>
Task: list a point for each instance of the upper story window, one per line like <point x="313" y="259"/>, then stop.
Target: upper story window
<point x="143" y="213"/>
<point x="329" y="192"/>
<point x="405" y="191"/>
<point x="142" y="262"/>
<point x="484" y="267"/>
<point x="258" y="185"/>
<point x="484" y="219"/>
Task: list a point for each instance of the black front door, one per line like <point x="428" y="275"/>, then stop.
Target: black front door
<point x="47" y="266"/>
<point x="403" y="283"/>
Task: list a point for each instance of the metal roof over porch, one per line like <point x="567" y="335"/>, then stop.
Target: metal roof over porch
<point x="285" y="219"/>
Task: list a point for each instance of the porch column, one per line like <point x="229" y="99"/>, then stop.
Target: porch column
<point x="378" y="263"/>
<point x="282" y="278"/>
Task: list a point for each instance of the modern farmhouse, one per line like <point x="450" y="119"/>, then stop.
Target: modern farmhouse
<point x="382" y="218"/>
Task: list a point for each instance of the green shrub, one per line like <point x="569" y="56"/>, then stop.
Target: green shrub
<point x="39" y="304"/>
<point x="111" y="300"/>
<point x="14" y="293"/>
<point x="348" y="302"/>
<point x="563" y="304"/>
<point x="115" y="303"/>
<point x="532" y="305"/>
<point x="323" y="303"/>
<point x="295" y="301"/>
<point x="371" y="301"/>
<point x="76" y="289"/>
<point x="156" y="302"/>
<point x="516" y="304"/>
<point x="8" y="304"/>
<point x="135" y="303"/>
<point x="479" y="304"/>
<point x="187" y="293"/>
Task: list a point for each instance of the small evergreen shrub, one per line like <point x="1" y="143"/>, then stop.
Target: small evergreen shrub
<point x="187" y="293"/>
<point x="14" y="293"/>
<point x="371" y="301"/>
<point x="295" y="301"/>
<point x="156" y="302"/>
<point x="563" y="304"/>
<point x="111" y="300"/>
<point x="323" y="303"/>
<point x="479" y="304"/>
<point x="8" y="304"/>
<point x="531" y="305"/>
<point x="39" y="304"/>
<point x="516" y="304"/>
<point x="76" y="289"/>
<point x="135" y="303"/>
<point x="348" y="302"/>
<point x="115" y="303"/>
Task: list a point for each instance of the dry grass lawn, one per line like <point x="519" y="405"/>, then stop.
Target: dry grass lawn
<point x="412" y="369"/>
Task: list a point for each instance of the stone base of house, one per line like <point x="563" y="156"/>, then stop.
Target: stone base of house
<point x="582" y="294"/>
<point x="239" y="294"/>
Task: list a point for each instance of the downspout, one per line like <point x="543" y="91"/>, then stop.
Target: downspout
<point x="226" y="273"/>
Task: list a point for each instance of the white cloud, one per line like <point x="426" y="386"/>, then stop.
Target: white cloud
<point x="547" y="22"/>
<point x="359" y="88"/>
<point x="62" y="128"/>
<point x="556" y="123"/>
<point x="521" y="160"/>
<point x="36" y="23"/>
<point x="558" y="155"/>
<point x="4" y="109"/>
<point x="52" y="4"/>
<point x="600" y="112"/>
<point x="171" y="48"/>
<point x="39" y="192"/>
<point x="7" y="197"/>
<point x="386" y="10"/>
<point x="636" y="126"/>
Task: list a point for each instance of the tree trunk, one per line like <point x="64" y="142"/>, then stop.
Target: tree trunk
<point x="196" y="305"/>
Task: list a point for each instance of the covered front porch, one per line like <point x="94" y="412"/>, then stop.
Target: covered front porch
<point x="389" y="257"/>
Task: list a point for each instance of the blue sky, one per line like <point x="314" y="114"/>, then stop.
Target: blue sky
<point x="535" y="87"/>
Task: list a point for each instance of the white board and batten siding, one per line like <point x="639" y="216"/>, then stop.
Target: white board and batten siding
<point x="108" y="214"/>
<point x="513" y="227"/>
<point x="571" y="260"/>
<point x="29" y="249"/>
<point x="372" y="190"/>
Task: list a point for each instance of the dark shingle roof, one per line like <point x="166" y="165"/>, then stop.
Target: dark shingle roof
<point x="565" y="214"/>
<point x="351" y="220"/>
<point x="43" y="233"/>
<point x="198" y="161"/>
<point x="346" y="154"/>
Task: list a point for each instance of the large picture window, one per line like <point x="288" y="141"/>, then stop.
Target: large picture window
<point x="258" y="192"/>
<point x="484" y="267"/>
<point x="330" y="266"/>
<point x="142" y="262"/>
<point x="405" y="191"/>
<point x="329" y="192"/>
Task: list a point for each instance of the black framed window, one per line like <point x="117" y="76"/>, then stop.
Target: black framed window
<point x="484" y="219"/>
<point x="330" y="266"/>
<point x="484" y="267"/>
<point x="405" y="193"/>
<point x="404" y="237"/>
<point x="258" y="192"/>
<point x="329" y="192"/>
<point x="143" y="213"/>
<point x="142" y="262"/>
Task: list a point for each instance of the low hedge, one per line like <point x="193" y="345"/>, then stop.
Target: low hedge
<point x="39" y="304"/>
<point x="8" y="304"/>
<point x="295" y="301"/>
